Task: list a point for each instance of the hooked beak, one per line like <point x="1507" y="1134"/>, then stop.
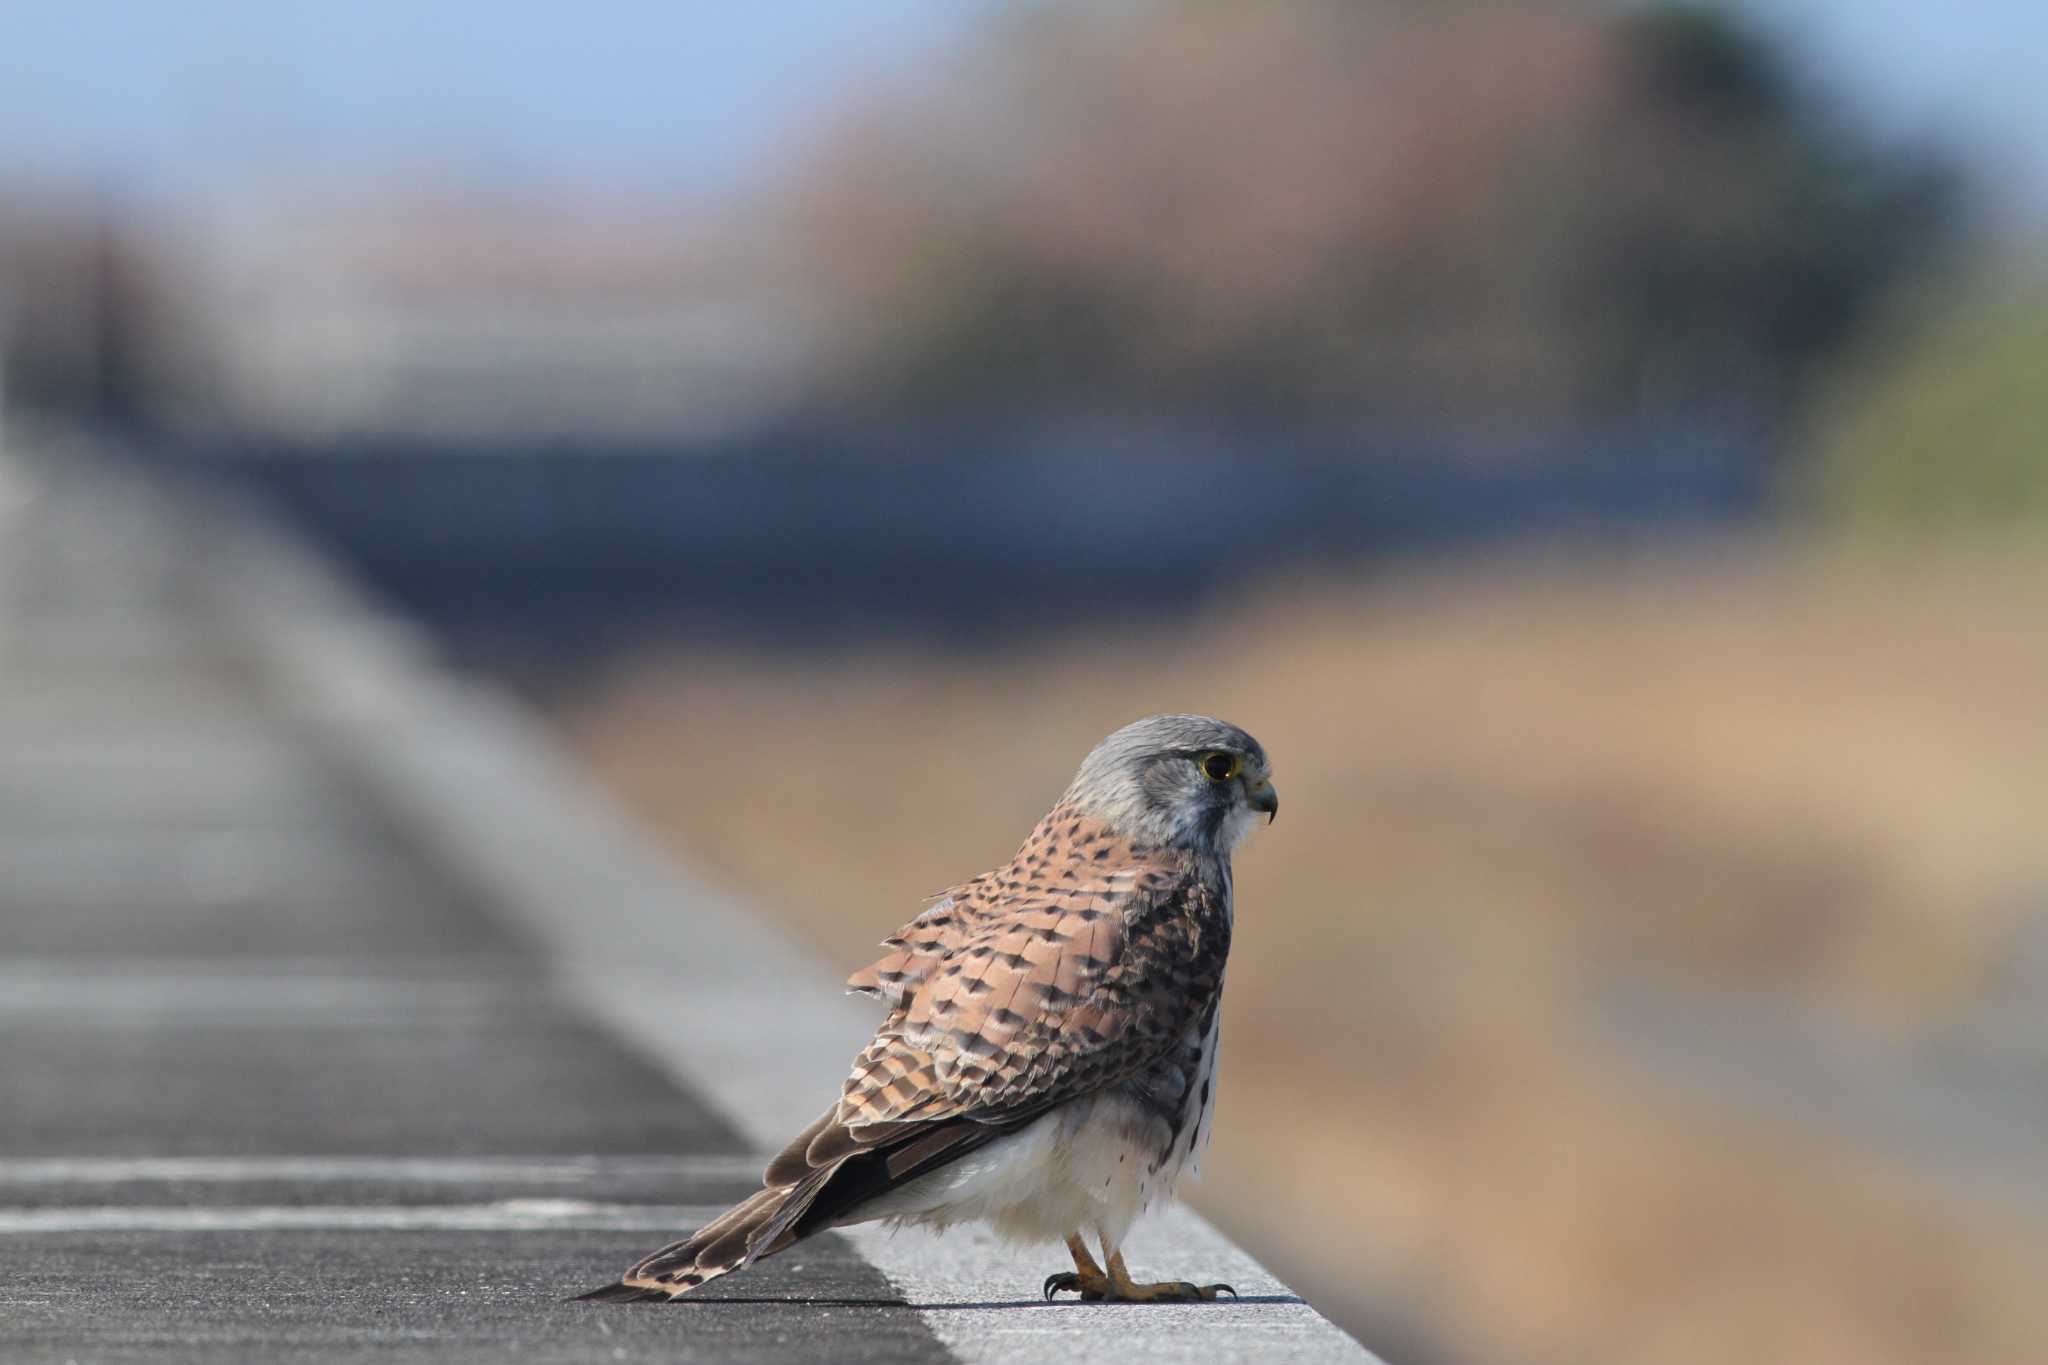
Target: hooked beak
<point x="1263" y="797"/>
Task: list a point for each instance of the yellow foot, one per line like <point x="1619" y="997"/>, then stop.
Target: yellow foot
<point x="1116" y="1285"/>
<point x="1092" y="1288"/>
<point x="1101" y="1289"/>
<point x="1179" y="1291"/>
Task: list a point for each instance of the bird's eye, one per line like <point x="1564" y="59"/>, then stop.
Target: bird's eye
<point x="1219" y="766"/>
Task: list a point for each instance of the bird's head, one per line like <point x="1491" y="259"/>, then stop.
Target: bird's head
<point x="1181" y="781"/>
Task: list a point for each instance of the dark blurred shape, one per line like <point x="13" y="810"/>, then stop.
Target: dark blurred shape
<point x="1698" y="57"/>
<point x="524" y="553"/>
<point x="1327" y="212"/>
<point x="1802" y="225"/>
<point x="76" y="303"/>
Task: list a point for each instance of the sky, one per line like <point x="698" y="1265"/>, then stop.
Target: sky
<point x="161" y="96"/>
<point x="152" y="94"/>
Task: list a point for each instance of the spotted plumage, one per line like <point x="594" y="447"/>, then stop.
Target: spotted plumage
<point x="1047" y="1063"/>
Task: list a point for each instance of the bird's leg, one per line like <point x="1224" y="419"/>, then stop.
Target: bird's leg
<point x="1085" y="1279"/>
<point x="1122" y="1286"/>
<point x="1094" y="1285"/>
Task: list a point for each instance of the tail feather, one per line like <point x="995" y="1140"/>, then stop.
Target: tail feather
<point x="728" y="1242"/>
<point x="621" y="1293"/>
<point x="827" y="1195"/>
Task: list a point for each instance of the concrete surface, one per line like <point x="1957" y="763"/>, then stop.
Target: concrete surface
<point x="344" y="1020"/>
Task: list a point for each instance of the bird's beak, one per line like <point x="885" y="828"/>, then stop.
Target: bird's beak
<point x="1261" y="796"/>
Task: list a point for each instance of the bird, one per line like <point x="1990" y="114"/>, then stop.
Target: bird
<point x="1047" y="1064"/>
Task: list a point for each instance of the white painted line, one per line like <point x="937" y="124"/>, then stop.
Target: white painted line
<point x="98" y="966"/>
<point x="505" y="1215"/>
<point x="422" y="1170"/>
<point x="231" y="997"/>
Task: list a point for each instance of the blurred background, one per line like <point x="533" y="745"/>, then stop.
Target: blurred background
<point x="1600" y="449"/>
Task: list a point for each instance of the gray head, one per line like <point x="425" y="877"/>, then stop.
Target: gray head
<point x="1185" y="781"/>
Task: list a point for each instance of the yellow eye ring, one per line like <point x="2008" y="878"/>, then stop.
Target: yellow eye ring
<point x="1220" y="765"/>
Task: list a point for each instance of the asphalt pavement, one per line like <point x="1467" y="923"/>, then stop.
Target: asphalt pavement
<point x="283" y="1079"/>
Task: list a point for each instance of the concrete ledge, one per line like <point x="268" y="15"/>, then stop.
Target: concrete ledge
<point x="674" y="966"/>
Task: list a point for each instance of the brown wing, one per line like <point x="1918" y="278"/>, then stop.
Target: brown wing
<point x="919" y="945"/>
<point x="1080" y="963"/>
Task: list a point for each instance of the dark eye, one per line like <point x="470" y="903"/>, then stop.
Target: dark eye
<point x="1219" y="766"/>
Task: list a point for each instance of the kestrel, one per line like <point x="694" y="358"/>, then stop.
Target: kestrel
<point x="1048" y="1062"/>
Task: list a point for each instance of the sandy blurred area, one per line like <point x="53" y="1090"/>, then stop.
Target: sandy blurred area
<point x="1808" y="785"/>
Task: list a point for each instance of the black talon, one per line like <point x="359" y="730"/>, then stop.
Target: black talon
<point x="1225" y="1289"/>
<point x="1065" y="1279"/>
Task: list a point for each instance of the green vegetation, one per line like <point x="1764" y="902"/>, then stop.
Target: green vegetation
<point x="1943" y="426"/>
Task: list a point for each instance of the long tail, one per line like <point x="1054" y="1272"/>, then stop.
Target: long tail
<point x="758" y="1226"/>
<point x="804" y="1200"/>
